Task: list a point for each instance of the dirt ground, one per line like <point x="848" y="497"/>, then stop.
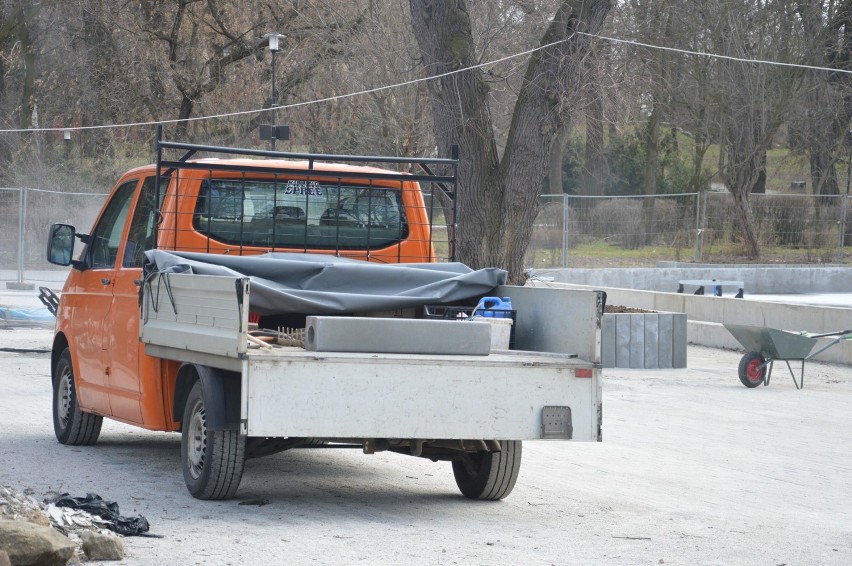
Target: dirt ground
<point x="694" y="469"/>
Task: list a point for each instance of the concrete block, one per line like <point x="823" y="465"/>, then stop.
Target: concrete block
<point x="651" y="341"/>
<point x="397" y="336"/>
<point x="644" y="340"/>
<point x="637" y="340"/>
<point x="665" y="327"/>
<point x="622" y="339"/>
<point x="678" y="340"/>
<point x="608" y="342"/>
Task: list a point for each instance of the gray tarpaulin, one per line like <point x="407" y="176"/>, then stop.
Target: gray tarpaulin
<point x="325" y="284"/>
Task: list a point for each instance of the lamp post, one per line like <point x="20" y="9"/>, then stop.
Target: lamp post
<point x="66" y="135"/>
<point x="273" y="47"/>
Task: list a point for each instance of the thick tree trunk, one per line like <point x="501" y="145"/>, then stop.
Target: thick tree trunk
<point x="554" y="167"/>
<point x="499" y="197"/>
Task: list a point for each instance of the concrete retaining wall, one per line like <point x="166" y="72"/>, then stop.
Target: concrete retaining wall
<point x="763" y="279"/>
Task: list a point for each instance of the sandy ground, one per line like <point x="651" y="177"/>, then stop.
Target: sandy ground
<point x="694" y="469"/>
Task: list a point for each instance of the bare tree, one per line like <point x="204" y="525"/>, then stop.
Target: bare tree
<point x="825" y="115"/>
<point x="499" y="198"/>
<point x="756" y="99"/>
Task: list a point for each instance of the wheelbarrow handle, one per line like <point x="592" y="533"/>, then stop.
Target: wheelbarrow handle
<point x="823" y="335"/>
<point x="829" y="345"/>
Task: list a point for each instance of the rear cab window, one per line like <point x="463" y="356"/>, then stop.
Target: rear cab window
<point x="300" y="214"/>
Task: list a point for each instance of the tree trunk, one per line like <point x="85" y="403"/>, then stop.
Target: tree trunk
<point x="594" y="171"/>
<point x="696" y="179"/>
<point x="744" y="214"/>
<point x="554" y="168"/>
<point x="498" y="198"/>
<point x="24" y="15"/>
<point x="185" y="112"/>
<point x="652" y="165"/>
<point x="759" y="187"/>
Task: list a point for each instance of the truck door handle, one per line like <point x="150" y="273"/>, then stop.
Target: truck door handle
<point x="106" y="281"/>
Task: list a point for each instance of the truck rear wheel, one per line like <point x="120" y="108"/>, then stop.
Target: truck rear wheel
<point x="212" y="460"/>
<point x="492" y="475"/>
<point x="70" y="424"/>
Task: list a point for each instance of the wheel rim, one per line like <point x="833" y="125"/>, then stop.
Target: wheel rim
<point x="753" y="371"/>
<point x="63" y="397"/>
<point x="197" y="445"/>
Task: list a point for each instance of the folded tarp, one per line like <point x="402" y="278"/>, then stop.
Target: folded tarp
<point x="325" y="284"/>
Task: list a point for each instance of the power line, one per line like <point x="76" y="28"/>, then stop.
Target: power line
<point x="714" y="55"/>
<point x="294" y="105"/>
<point x="429" y="78"/>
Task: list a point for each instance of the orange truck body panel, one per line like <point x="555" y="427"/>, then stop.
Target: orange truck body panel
<point x="99" y="312"/>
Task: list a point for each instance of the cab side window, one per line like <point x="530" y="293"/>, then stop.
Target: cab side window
<point x="106" y="238"/>
<point x="140" y="237"/>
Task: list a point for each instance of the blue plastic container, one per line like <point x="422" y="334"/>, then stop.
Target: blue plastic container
<point x="494" y="307"/>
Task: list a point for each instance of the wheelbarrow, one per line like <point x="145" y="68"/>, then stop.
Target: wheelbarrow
<point x="766" y="345"/>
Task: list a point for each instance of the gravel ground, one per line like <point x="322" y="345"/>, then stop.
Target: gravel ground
<point x="694" y="469"/>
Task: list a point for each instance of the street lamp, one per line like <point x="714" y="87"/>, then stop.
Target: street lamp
<point x="273" y="47"/>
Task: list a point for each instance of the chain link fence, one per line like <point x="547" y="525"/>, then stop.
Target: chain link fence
<point x="639" y="231"/>
<point x="570" y="231"/>
<point x="25" y="217"/>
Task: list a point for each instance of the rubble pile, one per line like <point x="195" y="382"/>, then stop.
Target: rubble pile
<point x="36" y="533"/>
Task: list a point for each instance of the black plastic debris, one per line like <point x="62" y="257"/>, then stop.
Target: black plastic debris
<point x="106" y="510"/>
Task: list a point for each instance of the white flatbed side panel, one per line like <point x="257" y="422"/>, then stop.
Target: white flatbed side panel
<point x="404" y="397"/>
<point x="199" y="313"/>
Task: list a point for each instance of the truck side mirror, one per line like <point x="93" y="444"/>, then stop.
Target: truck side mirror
<point x="60" y="244"/>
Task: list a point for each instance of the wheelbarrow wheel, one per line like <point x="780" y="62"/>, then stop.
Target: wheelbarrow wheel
<point x="751" y="374"/>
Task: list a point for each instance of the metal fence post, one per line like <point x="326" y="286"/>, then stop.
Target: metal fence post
<point x="564" y="230"/>
<point x="841" y="241"/>
<point x="22" y="201"/>
<point x="700" y="225"/>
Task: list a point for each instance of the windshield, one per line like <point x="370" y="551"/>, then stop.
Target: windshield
<point x="300" y="214"/>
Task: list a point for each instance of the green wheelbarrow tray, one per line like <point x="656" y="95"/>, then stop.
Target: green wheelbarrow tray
<point x="765" y="345"/>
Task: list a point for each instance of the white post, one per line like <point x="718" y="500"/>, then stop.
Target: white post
<point x="22" y="200"/>
<point x="564" y="230"/>
<point x="844" y="209"/>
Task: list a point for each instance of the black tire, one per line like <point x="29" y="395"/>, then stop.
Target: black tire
<point x="750" y="376"/>
<point x="212" y="461"/>
<point x="494" y="474"/>
<point x="71" y="425"/>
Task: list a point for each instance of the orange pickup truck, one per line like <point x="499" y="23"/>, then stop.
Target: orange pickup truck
<point x="185" y="360"/>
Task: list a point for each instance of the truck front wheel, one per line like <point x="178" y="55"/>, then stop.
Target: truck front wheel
<point x="489" y="475"/>
<point x="70" y="424"/>
<point x="212" y="460"/>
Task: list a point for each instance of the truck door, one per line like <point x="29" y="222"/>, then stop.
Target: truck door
<point x="91" y="300"/>
<point x="127" y="364"/>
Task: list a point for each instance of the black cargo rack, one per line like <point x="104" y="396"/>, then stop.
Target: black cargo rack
<point x="445" y="184"/>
